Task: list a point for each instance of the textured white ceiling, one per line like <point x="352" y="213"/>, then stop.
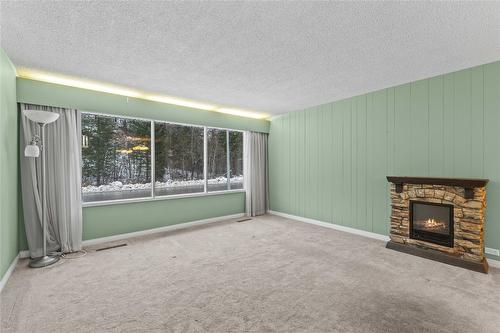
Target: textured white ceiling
<point x="273" y="56"/>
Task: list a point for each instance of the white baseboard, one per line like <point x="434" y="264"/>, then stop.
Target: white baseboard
<point x="332" y="226"/>
<point x="491" y="262"/>
<point x="8" y="273"/>
<point x="161" y="229"/>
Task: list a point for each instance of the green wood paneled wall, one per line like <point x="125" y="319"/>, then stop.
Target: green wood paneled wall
<point x="329" y="162"/>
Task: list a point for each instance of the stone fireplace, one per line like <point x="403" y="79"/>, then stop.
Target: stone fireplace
<point x="440" y="219"/>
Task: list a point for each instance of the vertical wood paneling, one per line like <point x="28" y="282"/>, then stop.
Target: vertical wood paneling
<point x="354" y="159"/>
<point x="391" y="126"/>
<point x="371" y="155"/>
<point x="337" y="171"/>
<point x="326" y="156"/>
<point x="419" y="128"/>
<point x="391" y="138"/>
<point x="308" y="195"/>
<point x="379" y="163"/>
<point x="492" y="152"/>
<point x="402" y="150"/>
<point x="360" y="162"/>
<point x="330" y="162"/>
<point x="317" y="163"/>
<point x="436" y="133"/>
<point x="329" y="123"/>
<point x="477" y="122"/>
<point x="462" y="124"/>
<point x="303" y="162"/>
<point x="344" y="107"/>
<point x="448" y="125"/>
<point x="274" y="176"/>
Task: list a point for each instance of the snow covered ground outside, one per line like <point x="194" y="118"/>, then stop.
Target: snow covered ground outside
<point x="119" y="186"/>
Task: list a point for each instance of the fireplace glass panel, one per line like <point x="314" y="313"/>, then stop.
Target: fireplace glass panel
<point x="431" y="218"/>
<point x="432" y="222"/>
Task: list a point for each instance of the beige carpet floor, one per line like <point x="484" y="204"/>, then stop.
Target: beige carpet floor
<point x="265" y="275"/>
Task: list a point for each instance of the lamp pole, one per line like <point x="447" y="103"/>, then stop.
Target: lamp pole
<point x="44" y="193"/>
<point x="44" y="260"/>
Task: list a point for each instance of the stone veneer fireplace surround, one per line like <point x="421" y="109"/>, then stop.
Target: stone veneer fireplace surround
<point x="440" y="219"/>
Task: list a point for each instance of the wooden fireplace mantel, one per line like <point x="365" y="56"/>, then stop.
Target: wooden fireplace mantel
<point x="467" y="183"/>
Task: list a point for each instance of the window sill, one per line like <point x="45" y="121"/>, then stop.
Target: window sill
<point x="159" y="198"/>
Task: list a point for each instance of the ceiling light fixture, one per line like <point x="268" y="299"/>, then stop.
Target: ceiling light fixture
<point x="65" y="80"/>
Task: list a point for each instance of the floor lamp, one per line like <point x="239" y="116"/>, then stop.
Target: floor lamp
<point x="42" y="118"/>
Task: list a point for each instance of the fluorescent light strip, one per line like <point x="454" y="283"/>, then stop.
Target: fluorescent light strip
<point x="242" y="113"/>
<point x="77" y="83"/>
<point x="64" y="80"/>
<point x="178" y="101"/>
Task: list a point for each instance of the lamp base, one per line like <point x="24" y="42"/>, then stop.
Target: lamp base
<point x="44" y="261"/>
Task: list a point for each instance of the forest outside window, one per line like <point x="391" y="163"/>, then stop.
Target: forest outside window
<point x="121" y="161"/>
<point x="116" y="158"/>
<point x="235" y="159"/>
<point x="178" y="159"/>
<point x="225" y="159"/>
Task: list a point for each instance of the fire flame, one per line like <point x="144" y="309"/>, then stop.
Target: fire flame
<point x="432" y="223"/>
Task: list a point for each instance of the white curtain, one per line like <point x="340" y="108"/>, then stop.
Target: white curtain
<point x="63" y="179"/>
<point x="256" y="173"/>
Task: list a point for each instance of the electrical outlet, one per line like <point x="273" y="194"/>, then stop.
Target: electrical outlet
<point x="494" y="252"/>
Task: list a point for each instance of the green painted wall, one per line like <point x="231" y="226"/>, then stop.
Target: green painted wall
<point x="37" y="92"/>
<point x="9" y="165"/>
<point x="102" y="221"/>
<point x="329" y="162"/>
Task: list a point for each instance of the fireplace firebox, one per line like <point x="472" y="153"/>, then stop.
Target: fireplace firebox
<point x="431" y="222"/>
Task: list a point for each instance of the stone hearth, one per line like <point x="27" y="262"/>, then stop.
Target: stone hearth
<point x="468" y="200"/>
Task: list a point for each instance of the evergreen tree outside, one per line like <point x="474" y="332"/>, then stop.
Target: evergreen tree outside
<point x="236" y="159"/>
<point x="179" y="158"/>
<point x="118" y="151"/>
<point x="116" y="158"/>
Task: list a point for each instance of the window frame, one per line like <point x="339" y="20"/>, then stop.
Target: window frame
<point x="152" y="196"/>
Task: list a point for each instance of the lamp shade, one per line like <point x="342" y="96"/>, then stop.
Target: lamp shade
<point x="32" y="151"/>
<point x="42" y="117"/>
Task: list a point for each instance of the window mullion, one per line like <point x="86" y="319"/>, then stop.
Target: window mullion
<point x="205" y="159"/>
<point x="153" y="159"/>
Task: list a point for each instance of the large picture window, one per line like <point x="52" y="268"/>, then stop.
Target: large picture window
<point x="116" y="158"/>
<point x="121" y="161"/>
